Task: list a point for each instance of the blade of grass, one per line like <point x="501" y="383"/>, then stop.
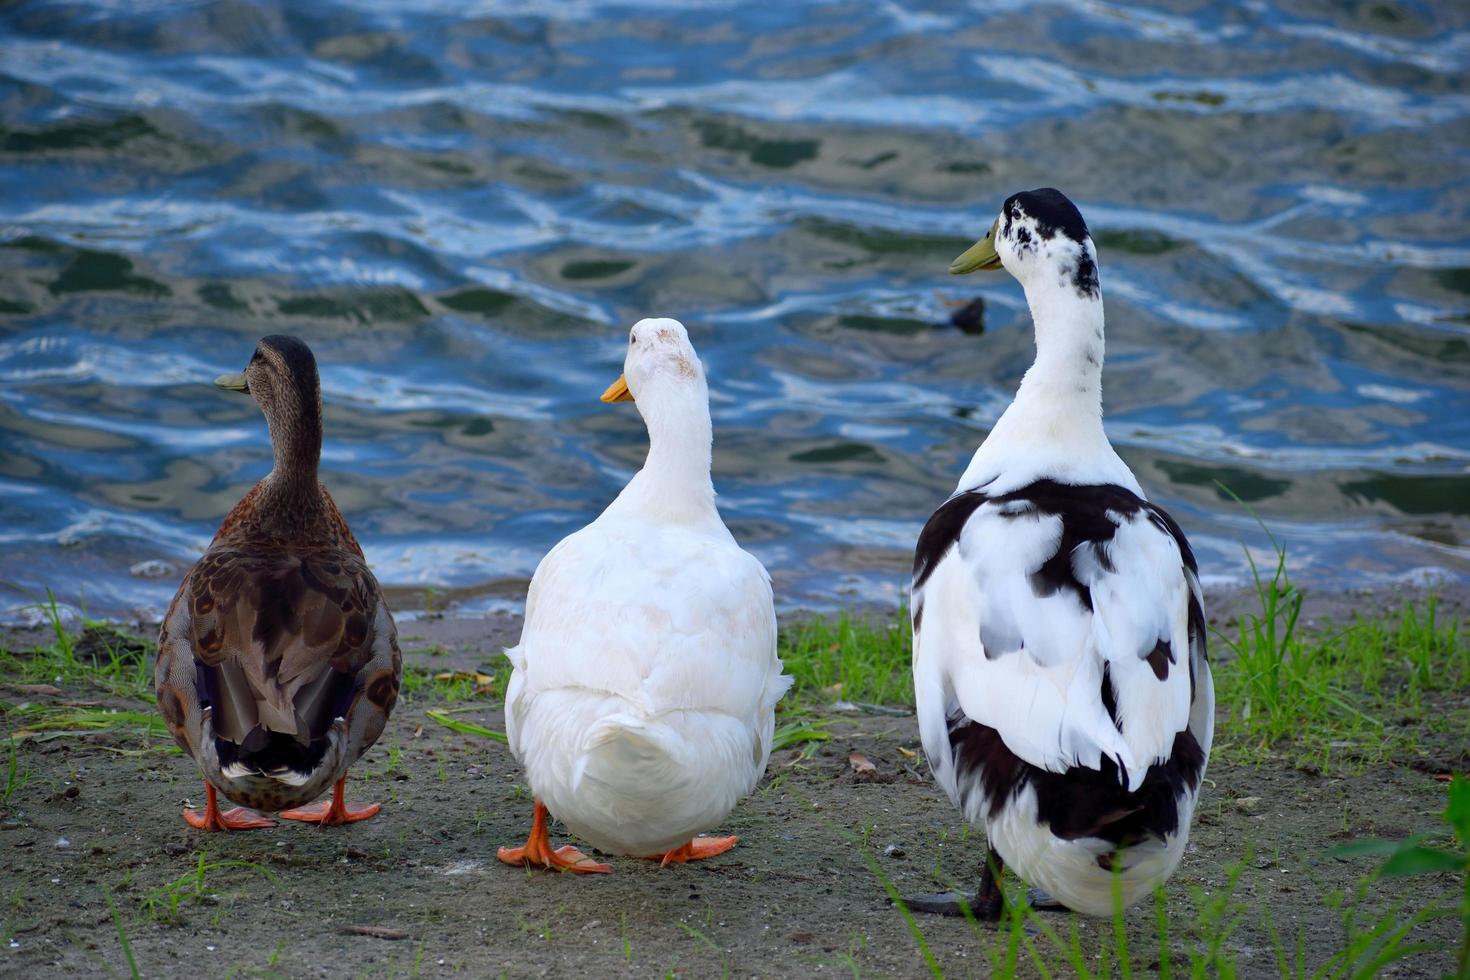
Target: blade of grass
<point x="122" y="935"/>
<point x="444" y="718"/>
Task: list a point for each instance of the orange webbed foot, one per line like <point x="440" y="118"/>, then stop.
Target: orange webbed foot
<point x="696" y="850"/>
<point x="212" y="818"/>
<point x="537" y="852"/>
<point x="333" y="813"/>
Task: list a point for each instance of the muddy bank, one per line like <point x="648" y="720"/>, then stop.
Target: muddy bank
<point x="418" y="888"/>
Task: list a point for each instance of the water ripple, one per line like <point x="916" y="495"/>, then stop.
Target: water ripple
<point x="463" y="206"/>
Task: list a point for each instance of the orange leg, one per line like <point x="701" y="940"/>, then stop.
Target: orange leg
<point x="537" y="850"/>
<point x="696" y="850"/>
<point x="212" y="819"/>
<point x="332" y="814"/>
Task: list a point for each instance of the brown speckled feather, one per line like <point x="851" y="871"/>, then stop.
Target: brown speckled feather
<point x="282" y="618"/>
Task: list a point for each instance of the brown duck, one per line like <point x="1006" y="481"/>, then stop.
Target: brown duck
<point x="278" y="660"/>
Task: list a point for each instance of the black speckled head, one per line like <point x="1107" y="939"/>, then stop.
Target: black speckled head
<point x="1051" y="212"/>
<point x="1042" y="230"/>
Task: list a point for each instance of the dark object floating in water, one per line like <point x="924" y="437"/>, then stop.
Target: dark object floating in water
<point x="971" y="317"/>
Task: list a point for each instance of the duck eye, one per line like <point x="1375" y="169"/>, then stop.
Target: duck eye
<point x="633" y="339"/>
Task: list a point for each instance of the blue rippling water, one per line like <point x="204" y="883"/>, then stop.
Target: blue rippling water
<point x="462" y="206"/>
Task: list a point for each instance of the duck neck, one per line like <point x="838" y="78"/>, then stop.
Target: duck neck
<point x="1062" y="391"/>
<point x="296" y="441"/>
<point x="674" y="483"/>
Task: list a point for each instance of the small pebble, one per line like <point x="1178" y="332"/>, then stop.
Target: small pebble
<point x="62" y="842"/>
<point x="173" y="848"/>
<point x="1248" y="804"/>
<point x="893" y="851"/>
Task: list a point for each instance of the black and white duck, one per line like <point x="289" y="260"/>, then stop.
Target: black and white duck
<point x="1064" y="696"/>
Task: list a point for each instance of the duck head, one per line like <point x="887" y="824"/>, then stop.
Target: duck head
<point x="282" y="378"/>
<point x="663" y="376"/>
<point x="660" y="367"/>
<point x="1040" y="238"/>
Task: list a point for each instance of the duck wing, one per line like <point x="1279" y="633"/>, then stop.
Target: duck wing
<point x="278" y="639"/>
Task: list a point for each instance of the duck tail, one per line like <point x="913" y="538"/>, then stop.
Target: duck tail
<point x="271" y="742"/>
<point x="628" y="756"/>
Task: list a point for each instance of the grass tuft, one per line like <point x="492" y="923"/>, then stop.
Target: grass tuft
<point x="850" y="658"/>
<point x="15" y="777"/>
<point x="165" y="902"/>
<point x="1345" y="696"/>
<point x="99" y="654"/>
<point x="456" y="685"/>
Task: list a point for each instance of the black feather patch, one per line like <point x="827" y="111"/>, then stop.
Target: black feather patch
<point x="1110" y="697"/>
<point x="1159" y="658"/>
<point x="1090" y="516"/>
<point x="1084" y="276"/>
<point x="1052" y="211"/>
<point x="267" y="752"/>
<point x="941" y="532"/>
<point x="1079" y="802"/>
<point x="206" y="688"/>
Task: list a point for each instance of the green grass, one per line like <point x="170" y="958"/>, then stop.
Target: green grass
<point x="848" y="658"/>
<point x="122" y="935"/>
<point x="95" y="656"/>
<point x="98" y="655"/>
<point x="44" y="722"/>
<point x="15" y="777"/>
<point x="1052" y="946"/>
<point x="455" y="685"/>
<point x="446" y="718"/>
<point x="1343" y="696"/>
<point x="166" y="902"/>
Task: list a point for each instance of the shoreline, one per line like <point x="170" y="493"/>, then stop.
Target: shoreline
<point x="456" y="640"/>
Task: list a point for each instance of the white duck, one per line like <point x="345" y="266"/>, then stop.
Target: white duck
<point x="642" y="703"/>
<point x="1064" y="696"/>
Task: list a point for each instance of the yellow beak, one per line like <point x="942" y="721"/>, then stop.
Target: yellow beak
<point x="231" y="382"/>
<point x="981" y="255"/>
<point x="618" y="391"/>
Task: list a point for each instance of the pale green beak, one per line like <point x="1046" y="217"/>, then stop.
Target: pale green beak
<point x="981" y="255"/>
<point x="231" y="382"/>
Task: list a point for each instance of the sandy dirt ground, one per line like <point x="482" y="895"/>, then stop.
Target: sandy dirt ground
<point x="417" y="890"/>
